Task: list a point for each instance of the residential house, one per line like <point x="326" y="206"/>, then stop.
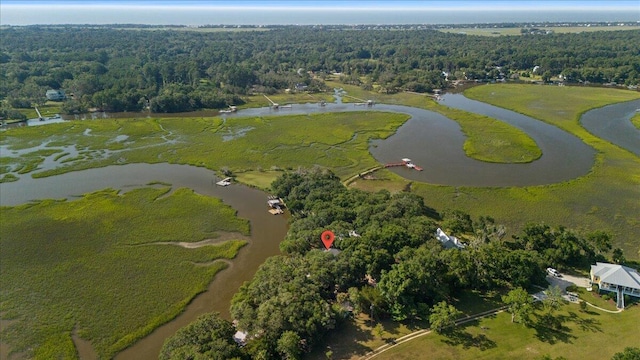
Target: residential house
<point x="449" y="242"/>
<point x="55" y="95"/>
<point x="620" y="279"/>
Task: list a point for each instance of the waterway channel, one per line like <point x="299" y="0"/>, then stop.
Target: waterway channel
<point x="435" y="143"/>
<point x="613" y="123"/>
<point x="428" y="138"/>
<point x="266" y="231"/>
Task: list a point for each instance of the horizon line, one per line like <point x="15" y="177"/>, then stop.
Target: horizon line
<point x="375" y="5"/>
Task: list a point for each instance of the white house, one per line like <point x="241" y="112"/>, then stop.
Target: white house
<point x="449" y="242"/>
<point x="55" y="95"/>
<point x="616" y="278"/>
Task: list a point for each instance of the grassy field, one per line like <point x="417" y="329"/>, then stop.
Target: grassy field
<point x="570" y="333"/>
<point x="516" y="31"/>
<point x="284" y="99"/>
<point x="49" y="109"/>
<point x="356" y="338"/>
<point x="95" y="266"/>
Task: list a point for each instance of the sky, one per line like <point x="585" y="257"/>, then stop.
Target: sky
<point x="268" y="12"/>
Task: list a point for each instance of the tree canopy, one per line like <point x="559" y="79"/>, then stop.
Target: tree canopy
<point x="118" y="69"/>
<point x="209" y="337"/>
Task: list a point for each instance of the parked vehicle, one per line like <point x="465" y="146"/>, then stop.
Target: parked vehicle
<point x="553" y="272"/>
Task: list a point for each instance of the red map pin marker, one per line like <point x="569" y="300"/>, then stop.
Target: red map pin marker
<point x="327" y="238"/>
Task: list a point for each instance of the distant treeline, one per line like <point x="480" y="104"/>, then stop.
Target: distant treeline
<point x="170" y="71"/>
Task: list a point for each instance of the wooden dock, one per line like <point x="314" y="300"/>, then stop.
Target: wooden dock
<point x="405" y="162"/>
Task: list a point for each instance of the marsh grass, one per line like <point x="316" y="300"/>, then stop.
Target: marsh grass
<point x="8" y="178"/>
<point x="259" y="179"/>
<point x="491" y="140"/>
<point x="336" y="141"/>
<point x="94" y="265"/>
<point x="635" y="120"/>
<point x="602" y="200"/>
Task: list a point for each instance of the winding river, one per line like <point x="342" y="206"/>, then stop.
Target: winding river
<point x="613" y="123"/>
<point x="430" y="139"/>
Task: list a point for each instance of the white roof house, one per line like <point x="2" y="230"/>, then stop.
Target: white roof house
<point x="449" y="242"/>
<point x="620" y="279"/>
<point x="55" y="95"/>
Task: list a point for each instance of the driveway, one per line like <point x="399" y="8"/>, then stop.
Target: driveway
<point x="568" y="280"/>
<point x="563" y="282"/>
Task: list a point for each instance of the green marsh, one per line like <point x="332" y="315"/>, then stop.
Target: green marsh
<point x="105" y="265"/>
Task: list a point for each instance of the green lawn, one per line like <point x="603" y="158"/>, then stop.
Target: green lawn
<point x="356" y="338"/>
<point x="50" y="108"/>
<point x="284" y="99"/>
<point x="95" y="266"/>
<point x="572" y="334"/>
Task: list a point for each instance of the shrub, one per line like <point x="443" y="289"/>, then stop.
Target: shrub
<point x="583" y="305"/>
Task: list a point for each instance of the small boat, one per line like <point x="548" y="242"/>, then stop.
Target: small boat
<point x="407" y="162"/>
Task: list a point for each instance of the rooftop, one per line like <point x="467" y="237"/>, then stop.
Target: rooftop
<point x="616" y="274"/>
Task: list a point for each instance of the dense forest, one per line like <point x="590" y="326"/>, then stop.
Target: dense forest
<point x="388" y="263"/>
<point x="170" y="71"/>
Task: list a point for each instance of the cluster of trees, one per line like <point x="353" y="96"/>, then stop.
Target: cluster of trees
<point x="9" y="113"/>
<point x="126" y="70"/>
<point x="389" y="263"/>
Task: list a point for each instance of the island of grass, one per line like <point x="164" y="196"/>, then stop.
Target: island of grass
<point x="635" y="120"/>
<point x="108" y="267"/>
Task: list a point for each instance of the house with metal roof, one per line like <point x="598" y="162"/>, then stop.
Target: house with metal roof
<point x="55" y="95"/>
<point x="620" y="279"/>
<point x="448" y="241"/>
